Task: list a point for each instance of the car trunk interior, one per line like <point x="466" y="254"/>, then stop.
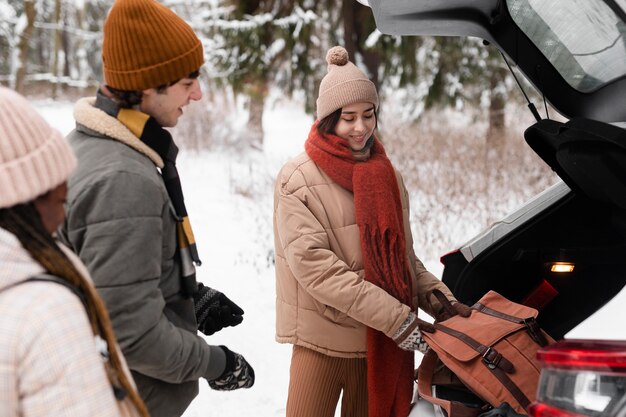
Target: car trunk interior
<point x="586" y="229"/>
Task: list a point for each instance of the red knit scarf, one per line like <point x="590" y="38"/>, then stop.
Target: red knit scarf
<point x="378" y="211"/>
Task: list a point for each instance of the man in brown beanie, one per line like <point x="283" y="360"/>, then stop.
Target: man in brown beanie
<point x="126" y="215"/>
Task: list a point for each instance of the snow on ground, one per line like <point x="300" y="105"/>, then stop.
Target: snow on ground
<point x="229" y="198"/>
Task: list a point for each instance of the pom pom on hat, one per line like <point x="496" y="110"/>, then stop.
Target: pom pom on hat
<point x="343" y="85"/>
<point x="337" y="55"/>
<point x="34" y="157"/>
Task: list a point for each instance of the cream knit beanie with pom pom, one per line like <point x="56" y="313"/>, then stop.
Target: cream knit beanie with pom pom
<point x="34" y="157"/>
<point x="343" y="85"/>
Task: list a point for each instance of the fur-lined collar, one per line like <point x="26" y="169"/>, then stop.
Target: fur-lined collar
<point x="97" y="120"/>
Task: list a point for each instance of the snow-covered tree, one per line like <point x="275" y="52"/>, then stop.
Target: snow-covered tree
<point x="16" y="29"/>
<point x="50" y="41"/>
<point x="255" y="44"/>
<point x="252" y="46"/>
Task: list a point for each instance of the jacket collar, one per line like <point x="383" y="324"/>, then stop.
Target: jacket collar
<point x="87" y="115"/>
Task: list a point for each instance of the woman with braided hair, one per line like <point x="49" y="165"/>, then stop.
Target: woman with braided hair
<point x="348" y="283"/>
<point x="58" y="353"/>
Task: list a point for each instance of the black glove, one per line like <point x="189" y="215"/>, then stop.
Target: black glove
<point x="237" y="374"/>
<point x="214" y="310"/>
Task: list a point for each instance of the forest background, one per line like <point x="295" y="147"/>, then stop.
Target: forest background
<point x="451" y="112"/>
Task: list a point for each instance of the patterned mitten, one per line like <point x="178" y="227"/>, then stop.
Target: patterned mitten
<point x="409" y="335"/>
<point x="237" y="374"/>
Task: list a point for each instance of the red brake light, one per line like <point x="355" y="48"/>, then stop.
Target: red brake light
<point x="585" y="354"/>
<point x="581" y="378"/>
<point x="543" y="410"/>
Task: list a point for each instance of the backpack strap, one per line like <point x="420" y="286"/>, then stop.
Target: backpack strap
<point x="425" y="374"/>
<point x="495" y="313"/>
<point x="52" y="278"/>
<point x="101" y="345"/>
<point x="491" y="357"/>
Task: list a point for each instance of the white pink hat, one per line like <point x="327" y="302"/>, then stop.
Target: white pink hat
<point x="34" y="157"/>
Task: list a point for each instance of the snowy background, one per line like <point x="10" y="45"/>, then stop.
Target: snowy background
<point x="229" y="198"/>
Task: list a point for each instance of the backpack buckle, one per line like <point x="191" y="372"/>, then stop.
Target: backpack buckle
<point x="491" y="357"/>
<point x="533" y="329"/>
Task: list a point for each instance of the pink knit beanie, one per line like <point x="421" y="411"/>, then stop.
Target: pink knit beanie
<point x="343" y="85"/>
<point x="34" y="158"/>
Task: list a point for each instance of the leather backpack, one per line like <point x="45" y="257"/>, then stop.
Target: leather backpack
<point x="492" y="352"/>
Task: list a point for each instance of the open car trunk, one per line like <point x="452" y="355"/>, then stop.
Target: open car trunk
<point x="574" y="54"/>
<point x="585" y="227"/>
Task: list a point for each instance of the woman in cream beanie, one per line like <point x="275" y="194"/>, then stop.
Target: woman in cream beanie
<point x="348" y="283"/>
<point x="52" y="321"/>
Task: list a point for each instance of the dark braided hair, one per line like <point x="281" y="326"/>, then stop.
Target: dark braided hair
<point x="24" y="222"/>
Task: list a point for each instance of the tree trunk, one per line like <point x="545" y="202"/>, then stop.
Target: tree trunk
<point x="27" y="33"/>
<point x="256" y="91"/>
<point x="496" y="109"/>
<point x="495" y="162"/>
<point x="57" y="48"/>
<point x="497" y="126"/>
<point x="81" y="63"/>
<point x="67" y="45"/>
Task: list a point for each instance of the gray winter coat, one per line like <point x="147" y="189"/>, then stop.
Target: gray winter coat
<point x="122" y="224"/>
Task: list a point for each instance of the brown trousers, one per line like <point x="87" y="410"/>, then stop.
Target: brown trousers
<point x="317" y="380"/>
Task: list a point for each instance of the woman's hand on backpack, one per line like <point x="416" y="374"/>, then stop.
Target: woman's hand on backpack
<point x="450" y="308"/>
<point x="455" y="308"/>
<point x="462" y="309"/>
<point x="409" y="335"/>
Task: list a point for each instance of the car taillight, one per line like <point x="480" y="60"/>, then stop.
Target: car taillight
<point x="581" y="378"/>
<point x="543" y="410"/>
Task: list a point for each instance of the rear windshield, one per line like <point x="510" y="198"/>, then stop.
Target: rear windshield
<point x="585" y="40"/>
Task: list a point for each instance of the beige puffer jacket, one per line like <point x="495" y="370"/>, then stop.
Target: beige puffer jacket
<point x="323" y="301"/>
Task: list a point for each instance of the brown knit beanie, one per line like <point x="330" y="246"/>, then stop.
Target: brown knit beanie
<point x="147" y="45"/>
<point x="343" y="85"/>
<point x="34" y="158"/>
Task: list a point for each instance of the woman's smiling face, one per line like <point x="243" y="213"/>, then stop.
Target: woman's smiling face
<point x="356" y="124"/>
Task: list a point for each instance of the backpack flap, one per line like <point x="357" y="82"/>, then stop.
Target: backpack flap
<point x="493" y="350"/>
<point x="486" y="329"/>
